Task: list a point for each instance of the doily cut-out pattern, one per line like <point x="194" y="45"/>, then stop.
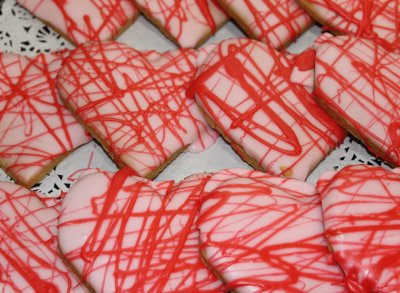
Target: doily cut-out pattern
<point x="21" y="32"/>
<point x="17" y="26"/>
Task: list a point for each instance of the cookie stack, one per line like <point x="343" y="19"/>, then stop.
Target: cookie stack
<point x="237" y="230"/>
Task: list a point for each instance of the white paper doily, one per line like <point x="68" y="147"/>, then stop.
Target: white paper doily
<point x="22" y="33"/>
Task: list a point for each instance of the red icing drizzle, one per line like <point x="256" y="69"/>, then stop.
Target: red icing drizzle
<point x="174" y="16"/>
<point x="113" y="13"/>
<point x="271" y="19"/>
<point x="28" y="246"/>
<point x="262" y="94"/>
<point x="378" y="20"/>
<point x="305" y="61"/>
<point x="377" y="69"/>
<point x="361" y="212"/>
<point x="151" y="85"/>
<point x="161" y="253"/>
<point x="28" y="85"/>
<point x="244" y="221"/>
<point x="205" y="10"/>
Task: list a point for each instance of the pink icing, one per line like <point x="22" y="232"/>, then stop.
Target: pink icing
<point x="362" y="221"/>
<point x="35" y="127"/>
<point x="246" y="88"/>
<point x="136" y="102"/>
<point x="361" y="82"/>
<point x="263" y="233"/>
<point x="377" y="20"/>
<point x="84" y="20"/>
<point x="123" y="233"/>
<point x="275" y="22"/>
<point x="29" y="261"/>
<point x="187" y="21"/>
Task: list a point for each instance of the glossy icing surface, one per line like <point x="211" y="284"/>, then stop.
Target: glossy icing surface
<point x="136" y="102"/>
<point x="368" y="19"/>
<point x="123" y="233"/>
<point x="186" y="21"/>
<point x="35" y="126"/>
<point x="361" y="215"/>
<point x="275" y="22"/>
<point x="29" y="261"/>
<point x="246" y="88"/>
<point x="265" y="234"/>
<point x="84" y="20"/>
<point x="360" y="81"/>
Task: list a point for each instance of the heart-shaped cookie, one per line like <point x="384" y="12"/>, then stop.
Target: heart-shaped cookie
<point x="29" y="260"/>
<point x="135" y="103"/>
<point x="127" y="234"/>
<point x="84" y="20"/>
<point x="377" y="20"/>
<point x="246" y="90"/>
<point x="361" y="207"/>
<point x="36" y="129"/>
<point x="274" y="22"/>
<point x="358" y="83"/>
<point x="187" y="22"/>
<point x="263" y="233"/>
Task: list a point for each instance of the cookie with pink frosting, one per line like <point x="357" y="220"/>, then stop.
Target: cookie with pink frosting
<point x="188" y="23"/>
<point x="81" y="21"/>
<point x="263" y="233"/>
<point x="358" y="83"/>
<point x="361" y="216"/>
<point x="135" y="103"/>
<point x="250" y="93"/>
<point x="36" y="129"/>
<point x="29" y="260"/>
<point x="378" y="20"/>
<point x="275" y="22"/>
<point x="127" y="234"/>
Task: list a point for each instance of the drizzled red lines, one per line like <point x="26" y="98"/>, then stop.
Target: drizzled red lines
<point x="362" y="220"/>
<point x="378" y="20"/>
<point x="135" y="102"/>
<point x="28" y="248"/>
<point x="245" y="88"/>
<point x="188" y="22"/>
<point x="141" y="236"/>
<point x="35" y="127"/>
<point x="365" y="92"/>
<point x="273" y="22"/>
<point x="84" y="20"/>
<point x="263" y="233"/>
